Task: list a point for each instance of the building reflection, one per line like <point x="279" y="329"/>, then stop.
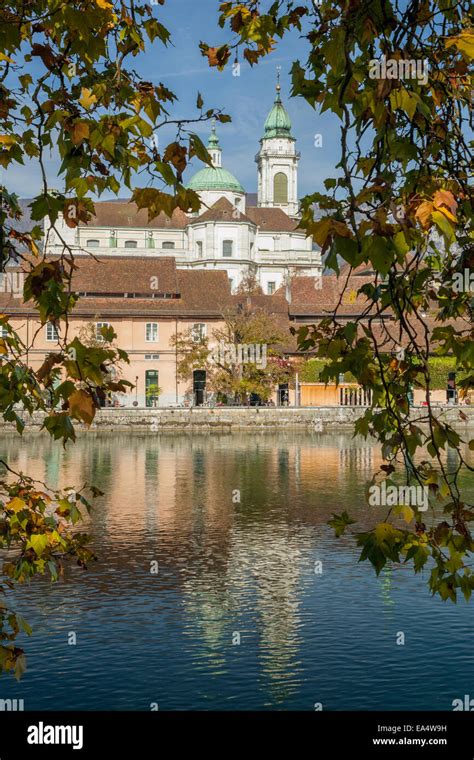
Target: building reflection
<point x="233" y="522"/>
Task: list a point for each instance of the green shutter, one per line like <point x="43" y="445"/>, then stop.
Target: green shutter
<point x="280" y="188"/>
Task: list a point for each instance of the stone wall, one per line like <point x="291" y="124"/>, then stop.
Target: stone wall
<point x="199" y="418"/>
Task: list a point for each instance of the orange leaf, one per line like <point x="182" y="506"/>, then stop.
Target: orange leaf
<point x="423" y="213"/>
<point x="445" y="198"/>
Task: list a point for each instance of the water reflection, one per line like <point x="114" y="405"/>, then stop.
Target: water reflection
<point x="237" y="616"/>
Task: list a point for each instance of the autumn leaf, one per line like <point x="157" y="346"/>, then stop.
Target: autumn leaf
<point x="38" y="542"/>
<point x="404" y="100"/>
<point x="16" y="504"/>
<point x="80" y="132"/>
<point x="446" y="203"/>
<point x="176" y="155"/>
<point x="7" y="140"/>
<point x="75" y="211"/>
<point x="423" y="213"/>
<point x="81" y="406"/>
<point x="464" y="42"/>
<point x="104" y="4"/>
<point x="217" y="56"/>
<point x="87" y="98"/>
<point x="46" y="54"/>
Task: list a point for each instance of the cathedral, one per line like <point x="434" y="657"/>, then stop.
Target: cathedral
<point x="234" y="231"/>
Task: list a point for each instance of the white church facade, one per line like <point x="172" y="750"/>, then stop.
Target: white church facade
<point x="233" y="231"/>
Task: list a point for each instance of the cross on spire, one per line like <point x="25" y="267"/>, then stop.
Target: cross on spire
<point x="278" y="85"/>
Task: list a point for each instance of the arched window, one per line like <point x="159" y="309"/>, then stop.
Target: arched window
<point x="280" y="188"/>
<point x="130" y="244"/>
<point x="92" y="244"/>
<point x="168" y="244"/>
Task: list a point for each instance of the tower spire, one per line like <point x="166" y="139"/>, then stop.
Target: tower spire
<point x="213" y="147"/>
<point x="278" y="85"/>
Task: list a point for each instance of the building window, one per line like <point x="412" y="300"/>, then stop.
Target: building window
<point x="280" y="188"/>
<point x="199" y="249"/>
<point x="52" y="335"/>
<point x="227" y="246"/>
<point x="198" y="332"/>
<point x="3" y="332"/>
<point x="92" y="243"/>
<point x="152" y="357"/>
<point x="168" y="244"/>
<point x="270" y="288"/>
<point x="98" y="328"/>
<point x="151" y="332"/>
<point x="130" y="244"/>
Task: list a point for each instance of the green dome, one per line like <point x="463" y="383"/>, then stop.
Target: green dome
<point x="215" y="179"/>
<point x="278" y="123"/>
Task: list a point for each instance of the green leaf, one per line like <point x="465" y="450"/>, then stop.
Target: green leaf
<point x="340" y="523"/>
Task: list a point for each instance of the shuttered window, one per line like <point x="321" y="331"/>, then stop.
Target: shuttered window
<point x="280" y="188"/>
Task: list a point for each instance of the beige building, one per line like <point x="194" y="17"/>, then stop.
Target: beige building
<point x="147" y="301"/>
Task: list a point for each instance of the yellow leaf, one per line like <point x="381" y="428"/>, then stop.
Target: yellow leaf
<point x="405" y="511"/>
<point x="104" y="4"/>
<point x="87" y="98"/>
<point x="16" y="504"/>
<point x="4" y="57"/>
<point x="7" y="139"/>
<point x="464" y="42"/>
<point x="3" y="347"/>
<point x="320" y="230"/>
<point x="407" y="101"/>
<point x="31" y="245"/>
<point x="447" y="214"/>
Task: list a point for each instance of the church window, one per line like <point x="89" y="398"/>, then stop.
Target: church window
<point x="280" y="188"/>
<point x="92" y="243"/>
<point x="168" y="244"/>
<point x="199" y="249"/>
<point x="270" y="288"/>
<point x="227" y="247"/>
<point x="130" y="244"/>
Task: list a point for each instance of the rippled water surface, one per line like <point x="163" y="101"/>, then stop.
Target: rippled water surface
<point x="237" y="524"/>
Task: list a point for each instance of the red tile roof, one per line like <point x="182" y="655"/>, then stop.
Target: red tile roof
<point x="272" y="219"/>
<point x="126" y="214"/>
<point x="222" y="211"/>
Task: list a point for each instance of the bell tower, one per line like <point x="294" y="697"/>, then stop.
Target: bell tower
<point x="277" y="160"/>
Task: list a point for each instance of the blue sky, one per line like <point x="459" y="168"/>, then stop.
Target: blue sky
<point x="247" y="99"/>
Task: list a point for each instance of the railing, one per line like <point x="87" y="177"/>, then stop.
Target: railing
<point x="354" y="395"/>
